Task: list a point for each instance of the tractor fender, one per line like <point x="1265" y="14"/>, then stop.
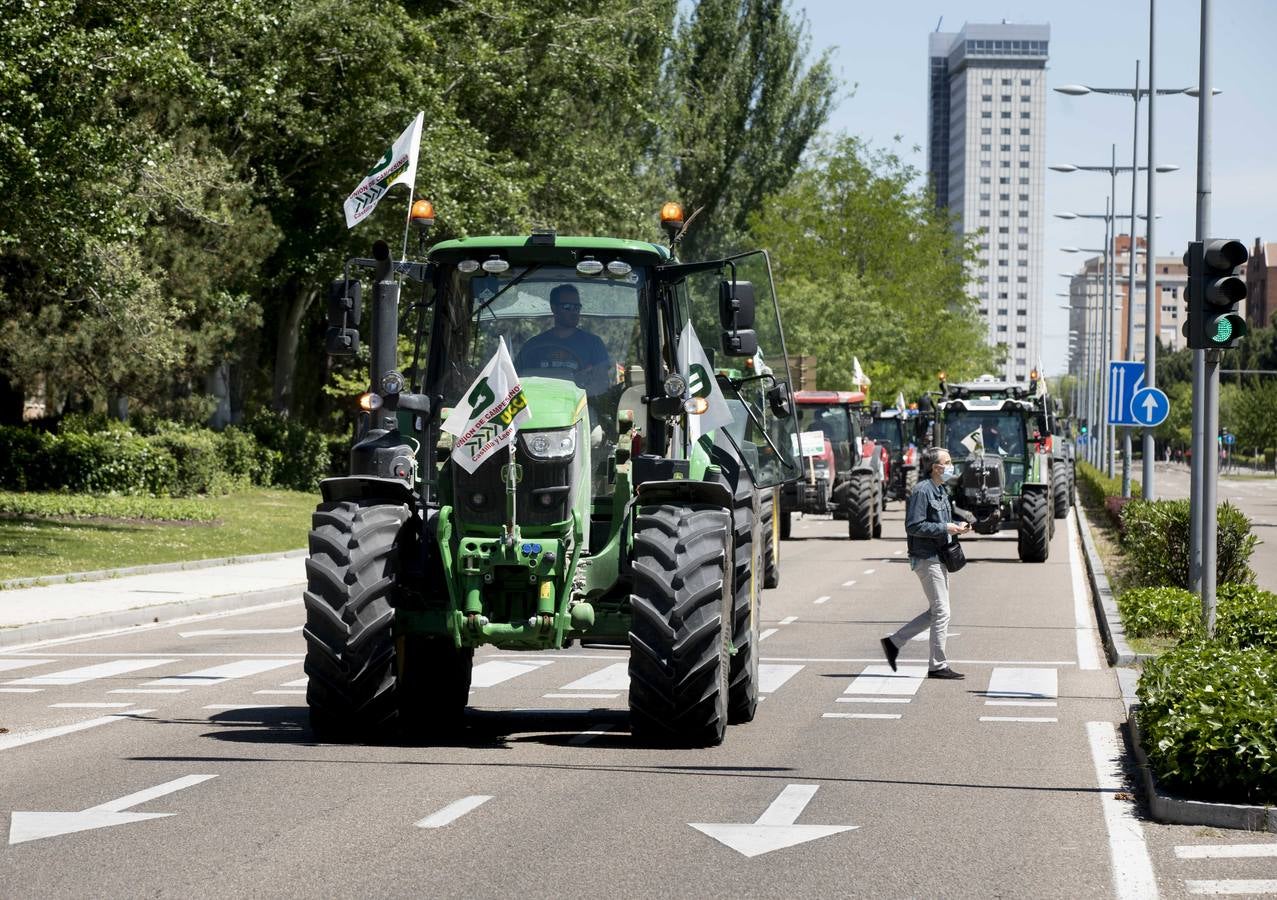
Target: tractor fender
<point x="680" y="490"/>
<point x="366" y="487"/>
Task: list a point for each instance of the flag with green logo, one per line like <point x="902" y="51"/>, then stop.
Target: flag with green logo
<point x="398" y="165"/>
<point x="488" y="417"/>
<point x="701" y="383"/>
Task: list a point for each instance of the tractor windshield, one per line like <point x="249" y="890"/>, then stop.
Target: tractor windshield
<point x="834" y="423"/>
<point x="969" y="432"/>
<point x="886" y="432"/>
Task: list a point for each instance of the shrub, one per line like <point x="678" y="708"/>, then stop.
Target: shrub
<point x="242" y="459"/>
<point x="1155" y="544"/>
<point x="1246" y="616"/>
<point x="197" y="465"/>
<point x="109" y="506"/>
<point x="109" y="462"/>
<point x="1160" y="612"/>
<point x="22" y="458"/>
<point x="301" y="455"/>
<point x="1096" y="489"/>
<point x="1208" y="714"/>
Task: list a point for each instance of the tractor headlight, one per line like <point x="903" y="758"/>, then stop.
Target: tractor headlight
<point x="546" y="445"/>
<point x="675" y="385"/>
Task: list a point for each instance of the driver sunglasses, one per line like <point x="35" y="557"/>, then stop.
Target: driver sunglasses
<point x="570" y="307"/>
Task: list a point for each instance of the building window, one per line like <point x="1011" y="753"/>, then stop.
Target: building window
<point x="987" y="81"/>
<point x="1004" y="213"/>
<point x="1002" y="328"/>
<point x="1006" y="82"/>
<point x="1024" y="179"/>
<point x="1002" y="246"/>
<point x="986" y="115"/>
<point x="984" y="214"/>
<point x="1005" y="148"/>
<point x="986" y="131"/>
<point x="1002" y="295"/>
<point x="1002" y="262"/>
<point x="1006" y="98"/>
<point x="987" y="98"/>
<point x="1004" y="196"/>
<point x="1019" y="345"/>
<point x="984" y="164"/>
<point x="1025" y="82"/>
<point x="1022" y="263"/>
<point x="1023" y="229"/>
<point x="1004" y="180"/>
<point x="986" y="147"/>
<point x="984" y="197"/>
<point x="1024" y="198"/>
<point x="1024" y="164"/>
<point x="1023" y="279"/>
<point x="1006" y="114"/>
<point x="1025" y="131"/>
<point x="1023" y="115"/>
<point x="1002" y="279"/>
<point x="1006" y="131"/>
<point x="1024" y="98"/>
<point x="1005" y="164"/>
<point x="1022" y="246"/>
<point x="1024" y="148"/>
<point x="1002" y="229"/>
<point x="985" y="179"/>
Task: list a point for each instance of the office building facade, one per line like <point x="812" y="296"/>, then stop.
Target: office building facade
<point x="986" y="161"/>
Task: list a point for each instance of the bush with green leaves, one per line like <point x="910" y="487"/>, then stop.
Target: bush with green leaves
<point x="1160" y="612"/>
<point x="197" y="464"/>
<point x="300" y="456"/>
<point x="1155" y="544"/>
<point x="1246" y="616"/>
<point x="109" y="506"/>
<point x="1208" y="714"/>
<point x="109" y="462"/>
<point x="22" y="458"/>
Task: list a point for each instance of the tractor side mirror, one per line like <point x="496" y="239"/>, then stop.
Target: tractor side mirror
<point x="344" y="307"/>
<point x="341" y="341"/>
<point x="736" y="305"/>
<point x="740" y="343"/>
<point x="780" y="400"/>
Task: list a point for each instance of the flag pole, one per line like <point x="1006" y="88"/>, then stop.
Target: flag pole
<point x="407" y="223"/>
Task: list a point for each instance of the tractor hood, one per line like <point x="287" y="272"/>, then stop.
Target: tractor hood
<point x="553" y="403"/>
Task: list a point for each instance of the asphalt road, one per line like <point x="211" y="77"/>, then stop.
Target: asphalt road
<point x="203" y="778"/>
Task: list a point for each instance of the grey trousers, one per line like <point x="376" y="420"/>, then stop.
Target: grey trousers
<point x="935" y="584"/>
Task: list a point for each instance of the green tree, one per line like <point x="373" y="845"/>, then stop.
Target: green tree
<point x="867" y="267"/>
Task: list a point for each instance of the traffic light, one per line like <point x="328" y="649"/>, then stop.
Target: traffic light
<point x="1214" y="290"/>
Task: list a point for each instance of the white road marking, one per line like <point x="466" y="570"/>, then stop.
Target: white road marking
<point x="1017" y="719"/>
<point x="91" y="673"/>
<point x="1022" y="684"/>
<point x="297" y="657"/>
<point x="872" y="700"/>
<point x="571" y="696"/>
<point x="1047" y="703"/>
<point x="224" y="632"/>
<point x="89" y="705"/>
<point x="789" y="620"/>
<point x="9" y="741"/>
<point x="766" y="634"/>
<point x="245" y="706"/>
<point x="824" y="599"/>
<point x="32" y="826"/>
<point x="297" y="682"/>
<point x="860" y="715"/>
<point x="20" y="690"/>
<point x="878" y="680"/>
<point x="849" y="583"/>
<point x="771" y="677"/>
<point x="848" y="660"/>
<point x="453" y="811"/>
<point x="586" y="736"/>
<point x="615" y="677"/>
<point x="1133" y="876"/>
<point x="295" y="693"/>
<point x="1088" y="656"/>
<point x="7" y="665"/>
<point x="148" y="691"/>
<point x="220" y="674"/>
<point x="896" y="552"/>
<point x="491" y="673"/>
<point x="869" y="571"/>
<point x="926" y="636"/>
<point x="775" y="828"/>
<point x="1233" y="886"/>
<point x="1225" y="851"/>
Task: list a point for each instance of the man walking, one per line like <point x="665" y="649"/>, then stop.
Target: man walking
<point x="928" y="525"/>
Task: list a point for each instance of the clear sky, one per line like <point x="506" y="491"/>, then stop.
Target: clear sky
<point x="880" y="52"/>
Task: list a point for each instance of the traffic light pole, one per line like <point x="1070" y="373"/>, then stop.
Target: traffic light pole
<point x="1205" y="372"/>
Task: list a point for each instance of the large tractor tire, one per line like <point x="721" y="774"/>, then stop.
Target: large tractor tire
<point x="1060" y="491"/>
<point x="680" y="633"/>
<point x="786" y="524"/>
<point x="350" y="651"/>
<point x="911" y="481"/>
<point x="1034" y="527"/>
<point x="434" y="687"/>
<point x="742" y="680"/>
<point x="771" y="546"/>
<point x="861" y="506"/>
<point x="878" y="508"/>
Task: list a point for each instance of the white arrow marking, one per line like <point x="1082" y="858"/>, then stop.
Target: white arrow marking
<point x="32" y="826"/>
<point x="775" y="828"/>
<point x="1150" y="407"/>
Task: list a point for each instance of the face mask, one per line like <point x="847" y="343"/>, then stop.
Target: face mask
<point x="948" y="473"/>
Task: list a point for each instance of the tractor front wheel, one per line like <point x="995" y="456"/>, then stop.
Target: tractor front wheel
<point x="681" y="624"/>
<point x="862" y="498"/>
<point x="1033" y="527"/>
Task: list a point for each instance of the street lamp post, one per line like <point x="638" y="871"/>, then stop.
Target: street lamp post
<point x="1094" y="409"/>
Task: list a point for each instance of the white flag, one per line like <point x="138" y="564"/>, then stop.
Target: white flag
<point x="858" y="375"/>
<point x="900" y="402"/>
<point x="398" y="165"/>
<point x="974" y="442"/>
<point x="489" y="416"/>
<point x="701" y="383"/>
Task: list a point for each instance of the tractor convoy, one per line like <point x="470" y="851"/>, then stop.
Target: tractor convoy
<point x="560" y="460"/>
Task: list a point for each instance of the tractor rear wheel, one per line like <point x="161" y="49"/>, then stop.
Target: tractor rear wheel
<point x="680" y="631"/>
<point x="1060" y="491"/>
<point x="786" y="524"/>
<point x="862" y="498"/>
<point x="1033" y="527"/>
<point x="771" y="546"/>
<point x="350" y="652"/>
<point x="742" y="691"/>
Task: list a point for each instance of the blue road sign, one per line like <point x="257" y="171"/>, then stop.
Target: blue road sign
<point x="1125" y="378"/>
<point x="1230" y="439"/>
<point x="1150" y="407"/>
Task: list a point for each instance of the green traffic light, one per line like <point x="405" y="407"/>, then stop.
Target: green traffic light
<point x="1223" y="331"/>
<point x="1228" y="327"/>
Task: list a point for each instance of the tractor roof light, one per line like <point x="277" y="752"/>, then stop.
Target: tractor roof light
<point x="423" y="214"/>
<point x="672" y="218"/>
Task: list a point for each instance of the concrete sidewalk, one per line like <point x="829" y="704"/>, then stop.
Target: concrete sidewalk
<point x="82" y="607"/>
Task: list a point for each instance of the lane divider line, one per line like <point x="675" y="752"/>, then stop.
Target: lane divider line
<point x="824" y="599"/>
<point x="1042" y="719"/>
<point x="860" y="715"/>
<point x="849" y="583"/>
<point x="788" y="620"/>
<point x="1088" y="656"/>
<point x="766" y="634"/>
<point x="568" y="695"/>
<point x="453" y="811"/>
<point x="9" y="741"/>
<point x="586" y="736"/>
<point x="1133" y="877"/>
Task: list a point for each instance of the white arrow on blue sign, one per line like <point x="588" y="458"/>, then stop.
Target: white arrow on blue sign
<point x="1150" y="407"/>
<point x="1125" y="379"/>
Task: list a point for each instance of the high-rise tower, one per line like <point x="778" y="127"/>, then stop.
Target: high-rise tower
<point x="986" y="160"/>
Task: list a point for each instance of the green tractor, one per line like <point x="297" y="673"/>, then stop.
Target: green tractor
<point x="999" y="437"/>
<point x="594" y="492"/>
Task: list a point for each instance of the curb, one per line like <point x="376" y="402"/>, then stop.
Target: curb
<point x="1110" y="621"/>
<point x="104" y="574"/>
<point x="87" y="626"/>
<point x="1178" y="811"/>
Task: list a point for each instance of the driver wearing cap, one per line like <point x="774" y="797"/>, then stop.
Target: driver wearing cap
<point x="566" y="350"/>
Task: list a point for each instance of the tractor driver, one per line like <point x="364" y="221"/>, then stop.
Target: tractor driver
<point x="566" y="350"/>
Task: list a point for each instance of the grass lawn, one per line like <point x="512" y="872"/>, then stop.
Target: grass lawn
<point x="247" y="522"/>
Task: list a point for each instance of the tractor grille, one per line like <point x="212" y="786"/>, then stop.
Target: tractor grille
<point x="530" y="508"/>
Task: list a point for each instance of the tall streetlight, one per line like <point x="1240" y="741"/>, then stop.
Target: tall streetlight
<point x="1102" y="437"/>
<point x="1083" y="345"/>
<point x="1150" y="286"/>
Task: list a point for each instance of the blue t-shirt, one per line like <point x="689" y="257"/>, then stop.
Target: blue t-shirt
<point x="557" y="357"/>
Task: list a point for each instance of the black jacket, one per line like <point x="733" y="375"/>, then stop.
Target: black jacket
<point x="927" y="517"/>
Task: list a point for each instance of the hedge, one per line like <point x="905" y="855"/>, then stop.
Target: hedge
<point x="1245" y="616"/>
<point x="1155" y="544"/>
<point x="1208" y="713"/>
<point x="78" y="506"/>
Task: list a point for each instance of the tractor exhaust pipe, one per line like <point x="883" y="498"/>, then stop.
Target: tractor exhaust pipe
<point x="385" y="315"/>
